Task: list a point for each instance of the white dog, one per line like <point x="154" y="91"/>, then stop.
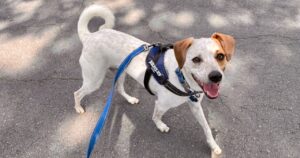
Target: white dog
<point x="202" y="62"/>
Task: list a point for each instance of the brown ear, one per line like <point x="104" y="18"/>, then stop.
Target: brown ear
<point x="226" y="42"/>
<point x="180" y="49"/>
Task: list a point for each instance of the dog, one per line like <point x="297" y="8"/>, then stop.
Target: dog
<point x="202" y="62"/>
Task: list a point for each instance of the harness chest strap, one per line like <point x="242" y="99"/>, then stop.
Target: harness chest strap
<point x="155" y="68"/>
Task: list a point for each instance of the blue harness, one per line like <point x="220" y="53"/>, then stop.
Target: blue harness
<point x="156" y="68"/>
<point x="155" y="64"/>
<point x="160" y="74"/>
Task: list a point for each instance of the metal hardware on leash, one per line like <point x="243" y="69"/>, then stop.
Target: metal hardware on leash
<point x="146" y="47"/>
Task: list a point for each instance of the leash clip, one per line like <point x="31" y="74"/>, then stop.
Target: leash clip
<point x="197" y="94"/>
<point x="146" y="47"/>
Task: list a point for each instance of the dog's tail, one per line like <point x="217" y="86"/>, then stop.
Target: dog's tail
<point x="89" y="13"/>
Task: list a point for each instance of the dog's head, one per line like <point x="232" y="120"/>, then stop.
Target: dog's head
<point x="204" y="60"/>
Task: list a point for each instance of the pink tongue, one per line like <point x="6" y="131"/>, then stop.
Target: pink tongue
<point x="211" y="89"/>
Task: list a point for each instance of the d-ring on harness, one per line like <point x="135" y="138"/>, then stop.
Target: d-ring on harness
<point x="101" y="121"/>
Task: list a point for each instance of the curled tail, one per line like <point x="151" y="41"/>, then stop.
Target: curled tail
<point x="89" y="13"/>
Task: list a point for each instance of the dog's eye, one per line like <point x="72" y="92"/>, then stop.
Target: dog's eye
<point x="220" y="56"/>
<point x="197" y="60"/>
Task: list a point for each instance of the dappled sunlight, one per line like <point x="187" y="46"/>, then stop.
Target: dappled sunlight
<point x="4" y="24"/>
<point x="20" y="54"/>
<point x="25" y="9"/>
<point x="217" y="21"/>
<point x="70" y="8"/>
<point x="76" y="129"/>
<point x="133" y="17"/>
<point x="138" y="30"/>
<point x="241" y="17"/>
<point x="118" y="4"/>
<point x="171" y="22"/>
<point x="158" y="7"/>
<point x="162" y="21"/>
<point x="282" y="53"/>
<point x="115" y="5"/>
<point x="65" y="45"/>
<point x="184" y="19"/>
<point x="123" y="143"/>
<point x="292" y="22"/>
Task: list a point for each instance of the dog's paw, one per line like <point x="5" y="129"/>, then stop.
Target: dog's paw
<point x="133" y="100"/>
<point x="163" y="128"/>
<point x="79" y="109"/>
<point x="217" y="151"/>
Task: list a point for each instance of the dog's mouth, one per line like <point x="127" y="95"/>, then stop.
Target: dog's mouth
<point x="211" y="90"/>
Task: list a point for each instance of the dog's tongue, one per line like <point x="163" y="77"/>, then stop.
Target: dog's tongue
<point x="211" y="89"/>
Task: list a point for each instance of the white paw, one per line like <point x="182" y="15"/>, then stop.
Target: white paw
<point x="79" y="109"/>
<point x="217" y="151"/>
<point x="163" y="127"/>
<point x="133" y="100"/>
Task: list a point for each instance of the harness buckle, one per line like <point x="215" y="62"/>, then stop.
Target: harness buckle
<point x="197" y="94"/>
<point x="146" y="47"/>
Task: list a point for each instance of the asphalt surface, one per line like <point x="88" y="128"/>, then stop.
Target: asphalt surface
<point x="256" y="116"/>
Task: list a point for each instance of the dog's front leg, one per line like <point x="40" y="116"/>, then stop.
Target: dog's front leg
<point x="159" y="111"/>
<point x="197" y="110"/>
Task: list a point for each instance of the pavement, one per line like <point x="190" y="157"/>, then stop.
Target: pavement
<point x="256" y="116"/>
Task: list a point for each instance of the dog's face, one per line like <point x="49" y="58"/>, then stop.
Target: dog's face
<point x="205" y="60"/>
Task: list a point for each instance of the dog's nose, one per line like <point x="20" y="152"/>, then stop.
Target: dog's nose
<point x="215" y="76"/>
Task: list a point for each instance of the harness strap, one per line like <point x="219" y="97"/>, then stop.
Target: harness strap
<point x="156" y="57"/>
<point x="146" y="81"/>
<point x="161" y="49"/>
<point x="193" y="96"/>
<point x="175" y="90"/>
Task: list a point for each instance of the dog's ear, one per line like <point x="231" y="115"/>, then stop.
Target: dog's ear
<point x="180" y="49"/>
<point x="226" y="42"/>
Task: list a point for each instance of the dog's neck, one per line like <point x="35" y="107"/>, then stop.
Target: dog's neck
<point x="189" y="79"/>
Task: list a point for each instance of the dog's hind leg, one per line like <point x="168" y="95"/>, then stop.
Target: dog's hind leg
<point x="121" y="90"/>
<point x="92" y="80"/>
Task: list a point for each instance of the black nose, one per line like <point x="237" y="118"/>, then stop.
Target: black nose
<point x="215" y="76"/>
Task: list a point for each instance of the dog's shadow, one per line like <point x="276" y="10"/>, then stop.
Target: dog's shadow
<point x="130" y="130"/>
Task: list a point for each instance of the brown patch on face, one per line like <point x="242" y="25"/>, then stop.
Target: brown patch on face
<point x="180" y="49"/>
<point x="221" y="58"/>
<point x="226" y="48"/>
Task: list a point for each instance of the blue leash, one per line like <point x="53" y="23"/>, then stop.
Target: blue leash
<point x="99" y="126"/>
